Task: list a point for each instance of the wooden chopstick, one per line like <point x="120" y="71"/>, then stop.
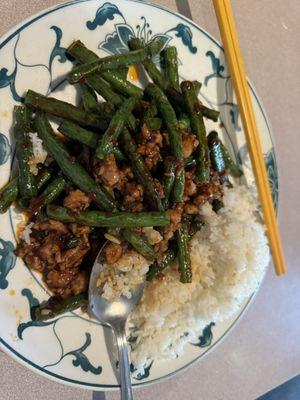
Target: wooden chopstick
<point x="234" y="58"/>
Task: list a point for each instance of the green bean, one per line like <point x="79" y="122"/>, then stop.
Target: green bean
<point x="159" y="266"/>
<point x="64" y="110"/>
<point x="179" y="103"/>
<point x="24" y="152"/>
<point x="76" y="173"/>
<point x="43" y="177"/>
<point x="72" y="169"/>
<point x="79" y="51"/>
<point x="106" y="143"/>
<point x="150" y="67"/>
<point x="198" y="128"/>
<point x="175" y="138"/>
<point x="88" y="138"/>
<point x="103" y="89"/>
<point x="171" y="92"/>
<point x="197" y="86"/>
<point x="113" y="62"/>
<point x="153" y="124"/>
<point x="184" y="122"/>
<point x="149" y="110"/>
<point x="209" y="113"/>
<point x="140" y="244"/>
<point x="121" y="85"/>
<point x="57" y="305"/>
<point x="84" y="55"/>
<point x="111" y="220"/>
<point x="184" y="261"/>
<point x="81" y="135"/>
<point x="171" y="60"/>
<point x="149" y="113"/>
<point x="168" y="180"/>
<point x="89" y="99"/>
<point x="141" y="171"/>
<point x="8" y="194"/>
<point x="52" y="191"/>
<point x="123" y="71"/>
<point x="216" y="154"/>
<point x="230" y="164"/>
<point x="91" y="104"/>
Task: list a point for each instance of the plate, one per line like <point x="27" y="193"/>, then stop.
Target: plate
<point x="71" y="349"/>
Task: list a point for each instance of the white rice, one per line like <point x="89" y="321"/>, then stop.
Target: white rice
<point x="26" y="232"/>
<point x="39" y="153"/>
<point x="229" y="258"/>
<point x="122" y="277"/>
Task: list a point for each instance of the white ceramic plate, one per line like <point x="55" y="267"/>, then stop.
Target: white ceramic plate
<point x="72" y="348"/>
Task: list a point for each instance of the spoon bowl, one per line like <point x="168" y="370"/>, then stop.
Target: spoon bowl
<point x="114" y="314"/>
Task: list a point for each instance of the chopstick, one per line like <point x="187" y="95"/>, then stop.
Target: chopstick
<point x="234" y="58"/>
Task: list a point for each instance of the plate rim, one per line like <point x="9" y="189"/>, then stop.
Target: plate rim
<point x="9" y="350"/>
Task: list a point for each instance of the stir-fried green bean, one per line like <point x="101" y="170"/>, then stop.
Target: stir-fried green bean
<point x="89" y="99"/>
<point x="72" y="169"/>
<point x="168" y="180"/>
<point x="81" y="135"/>
<point x="174" y="133"/>
<point x="153" y="72"/>
<point x="230" y="164"/>
<point x="159" y="266"/>
<point x="103" y="89"/>
<point x="86" y="137"/>
<point x="8" y="194"/>
<point x="184" y="122"/>
<point x="113" y="62"/>
<point x="184" y="261"/>
<point x="140" y="244"/>
<point x="197" y="86"/>
<point x="141" y="171"/>
<point x="57" y="305"/>
<point x="52" y="191"/>
<point x="64" y="110"/>
<point x="90" y="103"/>
<point x="84" y="55"/>
<point x="153" y="124"/>
<point x="122" y="85"/>
<point x="171" y="61"/>
<point x="106" y="142"/>
<point x="110" y="220"/>
<point x="123" y="72"/>
<point x="216" y="154"/>
<point x="24" y="153"/>
<point x="198" y="128"/>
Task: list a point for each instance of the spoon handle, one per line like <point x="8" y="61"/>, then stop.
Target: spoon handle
<point x="126" y="389"/>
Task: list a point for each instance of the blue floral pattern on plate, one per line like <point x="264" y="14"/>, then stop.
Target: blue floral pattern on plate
<point x="7" y="261"/>
<point x="116" y="42"/>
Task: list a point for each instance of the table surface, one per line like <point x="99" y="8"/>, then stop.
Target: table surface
<point x="264" y="349"/>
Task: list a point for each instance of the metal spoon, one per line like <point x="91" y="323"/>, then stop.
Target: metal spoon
<point x="114" y="314"/>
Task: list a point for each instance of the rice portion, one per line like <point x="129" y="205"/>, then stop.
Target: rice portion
<point x="122" y="277"/>
<point x="229" y="258"/>
<point x="39" y="153"/>
<point x="26" y="231"/>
